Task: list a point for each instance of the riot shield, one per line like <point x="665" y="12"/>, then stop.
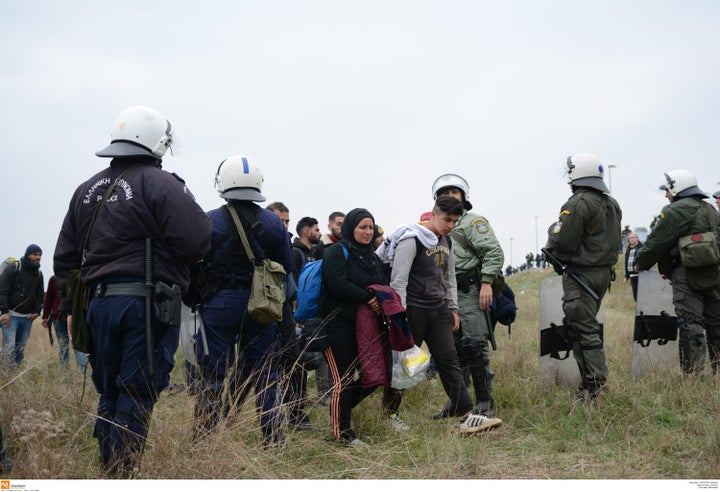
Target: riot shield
<point x="557" y="366"/>
<point x="655" y="345"/>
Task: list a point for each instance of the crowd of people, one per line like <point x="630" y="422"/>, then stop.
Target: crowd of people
<point x="143" y="245"/>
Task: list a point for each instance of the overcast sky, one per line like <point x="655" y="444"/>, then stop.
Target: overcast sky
<point x="363" y="104"/>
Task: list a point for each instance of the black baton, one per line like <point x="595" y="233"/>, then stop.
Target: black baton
<point x="148" y="306"/>
<point x="572" y="274"/>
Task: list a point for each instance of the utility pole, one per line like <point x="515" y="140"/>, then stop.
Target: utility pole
<point x="536" y="237"/>
<point x="610" y="168"/>
<point x="511" y="260"/>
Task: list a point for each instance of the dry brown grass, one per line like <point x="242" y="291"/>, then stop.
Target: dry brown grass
<point x="652" y="428"/>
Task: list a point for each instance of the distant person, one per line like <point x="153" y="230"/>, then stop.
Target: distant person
<point x="696" y="290"/>
<point x="21" y="297"/>
<point x="51" y="316"/>
<point x="478" y="262"/>
<point x="378" y="237"/>
<point x="529" y="259"/>
<point x="323" y="379"/>
<point x="305" y="246"/>
<point x="308" y="236"/>
<point x="145" y="206"/>
<point x="295" y="395"/>
<point x="423" y="275"/>
<point x="335" y="221"/>
<point x="227" y="322"/>
<point x="586" y="238"/>
<point x="624" y="236"/>
<point x="630" y="268"/>
<point x="282" y="211"/>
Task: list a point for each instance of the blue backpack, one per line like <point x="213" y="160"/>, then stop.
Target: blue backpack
<point x="309" y="287"/>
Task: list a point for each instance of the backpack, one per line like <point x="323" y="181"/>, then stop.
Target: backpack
<point x="309" y="288"/>
<point x="8" y="271"/>
<point x="504" y="309"/>
<point x="9" y="266"/>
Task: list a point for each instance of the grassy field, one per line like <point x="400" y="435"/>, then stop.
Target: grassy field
<point x="656" y="427"/>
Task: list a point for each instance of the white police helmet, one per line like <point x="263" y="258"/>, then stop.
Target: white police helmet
<point x="239" y="178"/>
<point x="453" y="181"/>
<point x="586" y="170"/>
<point x="138" y="131"/>
<point x="681" y="183"/>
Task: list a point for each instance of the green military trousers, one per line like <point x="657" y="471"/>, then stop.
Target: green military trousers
<point x="474" y="323"/>
<point x="581" y="317"/>
<point x="698" y="316"/>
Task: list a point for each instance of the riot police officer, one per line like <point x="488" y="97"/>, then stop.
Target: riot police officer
<point x="227" y="322"/>
<point x="696" y="289"/>
<point x="586" y="238"/>
<point x="148" y="226"/>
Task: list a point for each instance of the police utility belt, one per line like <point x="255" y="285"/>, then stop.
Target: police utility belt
<point x="166" y="299"/>
<point x="464" y="281"/>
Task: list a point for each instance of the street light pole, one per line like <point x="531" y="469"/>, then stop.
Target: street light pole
<point x="536" y="237"/>
<point x="610" y="168"/>
<point x="511" y="260"/>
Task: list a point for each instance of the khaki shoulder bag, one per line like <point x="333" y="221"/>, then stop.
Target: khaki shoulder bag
<point x="267" y="292"/>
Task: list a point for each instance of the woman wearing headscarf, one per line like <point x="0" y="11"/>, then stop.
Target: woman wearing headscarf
<point x="345" y="288"/>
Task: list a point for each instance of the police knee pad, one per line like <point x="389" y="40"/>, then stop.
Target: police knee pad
<point x="472" y="347"/>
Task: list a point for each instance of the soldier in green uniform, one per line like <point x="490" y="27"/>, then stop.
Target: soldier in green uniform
<point x="586" y="238"/>
<point x="478" y="262"/>
<point x="696" y="292"/>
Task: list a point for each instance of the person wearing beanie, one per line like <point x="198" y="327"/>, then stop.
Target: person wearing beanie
<point x="21" y="298"/>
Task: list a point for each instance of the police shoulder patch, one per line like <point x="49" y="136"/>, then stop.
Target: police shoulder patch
<point x="565" y="212"/>
<point x="481" y="225"/>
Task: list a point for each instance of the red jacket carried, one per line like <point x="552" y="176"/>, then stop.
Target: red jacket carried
<point x="377" y="335"/>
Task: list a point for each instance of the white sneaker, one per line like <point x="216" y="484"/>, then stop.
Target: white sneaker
<point x="476" y="422"/>
<point x="398" y="424"/>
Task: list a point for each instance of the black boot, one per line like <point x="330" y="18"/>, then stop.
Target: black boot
<point x="473" y="352"/>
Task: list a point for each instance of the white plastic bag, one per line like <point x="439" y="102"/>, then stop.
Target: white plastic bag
<point x="415" y="361"/>
<point x="192" y="329"/>
<point x="409" y="367"/>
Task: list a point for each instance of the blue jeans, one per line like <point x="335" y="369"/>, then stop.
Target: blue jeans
<point x="61" y="333"/>
<point x="15" y="336"/>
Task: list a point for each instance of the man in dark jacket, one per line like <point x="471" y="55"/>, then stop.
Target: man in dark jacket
<point x="148" y="231"/>
<point x="21" y="297"/>
<point x="696" y="291"/>
<point x="586" y="238"/>
<point x="308" y="236"/>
